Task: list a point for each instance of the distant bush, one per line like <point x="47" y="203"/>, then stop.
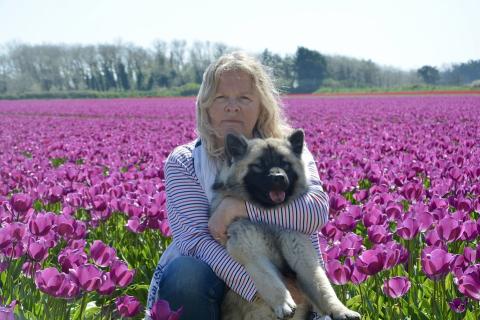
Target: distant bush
<point x="189" y="89"/>
<point x="331" y="83"/>
<point x="475" y="84"/>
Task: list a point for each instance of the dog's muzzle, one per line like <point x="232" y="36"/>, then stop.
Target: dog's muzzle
<point x="279" y="182"/>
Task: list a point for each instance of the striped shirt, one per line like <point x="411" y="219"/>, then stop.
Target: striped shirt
<point x="188" y="215"/>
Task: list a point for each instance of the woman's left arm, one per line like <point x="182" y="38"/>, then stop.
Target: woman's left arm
<point x="306" y="214"/>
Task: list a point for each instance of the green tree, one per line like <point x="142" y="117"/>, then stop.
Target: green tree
<point x="310" y="67"/>
<point x="123" y="76"/>
<point x="429" y="74"/>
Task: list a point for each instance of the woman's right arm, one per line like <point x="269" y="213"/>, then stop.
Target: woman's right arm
<point x="188" y="215"/>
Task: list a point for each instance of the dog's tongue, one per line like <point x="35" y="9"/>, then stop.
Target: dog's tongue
<point x="277" y="196"/>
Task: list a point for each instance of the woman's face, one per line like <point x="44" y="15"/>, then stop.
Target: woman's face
<point x="236" y="105"/>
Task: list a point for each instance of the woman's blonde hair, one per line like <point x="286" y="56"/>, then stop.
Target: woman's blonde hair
<point x="271" y="121"/>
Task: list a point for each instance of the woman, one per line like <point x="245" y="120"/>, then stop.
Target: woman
<point x="236" y="95"/>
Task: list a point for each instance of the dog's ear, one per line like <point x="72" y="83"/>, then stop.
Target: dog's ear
<point x="296" y="141"/>
<point x="235" y="146"/>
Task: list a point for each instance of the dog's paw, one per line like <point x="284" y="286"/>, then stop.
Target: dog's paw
<point x="285" y="310"/>
<point x="346" y="315"/>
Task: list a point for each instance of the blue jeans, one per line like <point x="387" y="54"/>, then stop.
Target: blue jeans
<point x="191" y="283"/>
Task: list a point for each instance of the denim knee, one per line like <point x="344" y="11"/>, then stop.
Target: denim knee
<point x="190" y="283"/>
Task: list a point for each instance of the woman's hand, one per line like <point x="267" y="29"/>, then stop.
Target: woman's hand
<point x="229" y="209"/>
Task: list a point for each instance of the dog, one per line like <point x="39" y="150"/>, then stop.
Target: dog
<point x="270" y="173"/>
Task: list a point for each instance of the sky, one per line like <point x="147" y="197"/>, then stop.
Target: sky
<point x="406" y="34"/>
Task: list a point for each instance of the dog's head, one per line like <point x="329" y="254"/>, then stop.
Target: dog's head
<point x="268" y="172"/>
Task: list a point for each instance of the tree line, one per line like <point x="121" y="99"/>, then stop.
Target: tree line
<point x="127" y="67"/>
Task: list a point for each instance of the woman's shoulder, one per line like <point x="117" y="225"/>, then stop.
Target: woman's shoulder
<point x="182" y="154"/>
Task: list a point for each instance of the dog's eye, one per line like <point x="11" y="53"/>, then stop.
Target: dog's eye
<point x="256" y="168"/>
<point x="286" y="166"/>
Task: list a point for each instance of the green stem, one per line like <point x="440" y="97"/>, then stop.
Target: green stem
<point x="377" y="285"/>
<point x="82" y="306"/>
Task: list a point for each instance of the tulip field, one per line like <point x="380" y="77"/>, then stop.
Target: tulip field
<point x="82" y="202"/>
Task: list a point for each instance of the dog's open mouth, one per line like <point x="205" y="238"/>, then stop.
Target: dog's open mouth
<point x="277" y="197"/>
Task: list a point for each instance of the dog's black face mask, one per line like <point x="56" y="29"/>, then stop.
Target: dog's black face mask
<point x="270" y="180"/>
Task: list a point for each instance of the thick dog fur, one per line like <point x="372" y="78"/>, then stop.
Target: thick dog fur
<point x="252" y="170"/>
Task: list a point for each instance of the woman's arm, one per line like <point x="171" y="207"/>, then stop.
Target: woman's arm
<point x="307" y="213"/>
<point x="188" y="215"/>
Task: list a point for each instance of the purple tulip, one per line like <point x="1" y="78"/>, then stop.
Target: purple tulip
<point x="360" y="195"/>
<point x="100" y="203"/>
<point x="80" y="230"/>
<point x="337" y="273"/>
<point x="161" y="311"/>
<point x="345" y="222"/>
<point x="436" y="262"/>
<point x="394" y="254"/>
<point x="71" y="258"/>
<point x="355" y="212"/>
<point x="374" y="217"/>
<point x="370" y="262"/>
<point x="65" y="225"/>
<point x="464" y="204"/>
<point x="333" y="252"/>
<point x="21" y="202"/>
<point x="456" y="173"/>
<point x="4" y="266"/>
<point x="38" y="250"/>
<point x="49" y="280"/>
<point x="40" y="224"/>
<point x="120" y="273"/>
<point x="55" y="193"/>
<point x="351" y="244"/>
<point x="381" y="198"/>
<point x="330" y="231"/>
<point x="469" y="282"/>
<point x="128" y="306"/>
<point x="356" y="277"/>
<point x="432" y="238"/>
<point x="424" y="219"/>
<point x="449" y="229"/>
<point x="6" y="237"/>
<point x="437" y="203"/>
<point x="412" y="191"/>
<point x="107" y="286"/>
<point x="470" y="255"/>
<point x="396" y="287"/>
<point x="408" y="228"/>
<point x="394" y="211"/>
<point x="87" y="276"/>
<point x="379" y="234"/>
<point x="337" y="203"/>
<point x="68" y="289"/>
<point x="458" y="305"/>
<point x="470" y="231"/>
<point x="134" y="225"/>
<point x="74" y="199"/>
<point x="102" y="254"/>
<point x="334" y="186"/>
<point x="7" y="312"/>
<point x="76" y="244"/>
<point x="30" y="268"/>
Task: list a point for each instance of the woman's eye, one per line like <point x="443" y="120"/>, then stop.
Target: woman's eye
<point x="219" y="98"/>
<point x="245" y="98"/>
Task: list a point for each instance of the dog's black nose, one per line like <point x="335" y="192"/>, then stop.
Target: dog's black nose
<point x="279" y="178"/>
